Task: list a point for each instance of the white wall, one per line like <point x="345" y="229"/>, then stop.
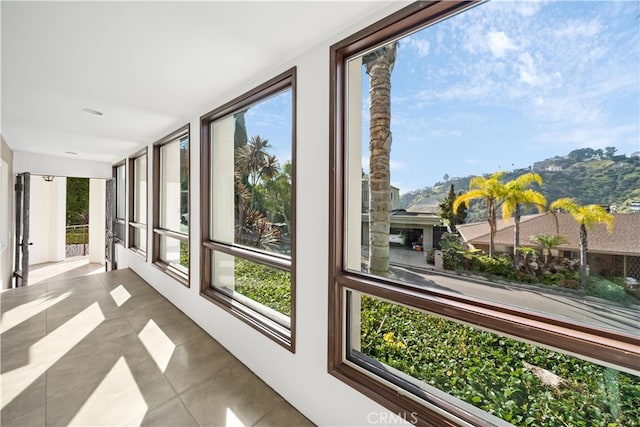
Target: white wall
<point x="47" y="210"/>
<point x="40" y="164"/>
<point x="6" y="215"/>
<point x="301" y="378"/>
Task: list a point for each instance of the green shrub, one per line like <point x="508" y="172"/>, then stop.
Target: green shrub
<point x="431" y="256"/>
<point x="452" y="252"/>
<point x="551" y="279"/>
<point x="498" y="266"/>
<point x="76" y="238"/>
<point x="267" y="285"/>
<point x="184" y="254"/>
<point x="606" y="289"/>
<point x="488" y="370"/>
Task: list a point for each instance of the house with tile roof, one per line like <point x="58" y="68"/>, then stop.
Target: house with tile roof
<point x="610" y="254"/>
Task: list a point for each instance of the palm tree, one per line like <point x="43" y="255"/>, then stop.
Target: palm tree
<point x="254" y="162"/>
<point x="587" y="216"/>
<point x="379" y="65"/>
<point x="491" y="191"/>
<point x="517" y="195"/>
<point x="548" y="242"/>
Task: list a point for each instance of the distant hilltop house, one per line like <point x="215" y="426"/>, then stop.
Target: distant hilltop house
<point x="635" y="206"/>
<point x="615" y="254"/>
<point x="544" y="166"/>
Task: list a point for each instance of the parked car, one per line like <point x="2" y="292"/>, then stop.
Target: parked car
<point x="396" y="237"/>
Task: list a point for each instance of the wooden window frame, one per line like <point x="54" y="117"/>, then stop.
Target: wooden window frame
<point x="158" y="231"/>
<point x="133" y="225"/>
<point x="591" y="343"/>
<point x="276" y="332"/>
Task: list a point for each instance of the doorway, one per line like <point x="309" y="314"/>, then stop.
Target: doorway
<point x="54" y="226"/>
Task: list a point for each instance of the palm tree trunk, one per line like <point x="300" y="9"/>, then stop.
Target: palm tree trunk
<point x="492" y="227"/>
<point x="516" y="235"/>
<point x="379" y="66"/>
<point x="583" y="256"/>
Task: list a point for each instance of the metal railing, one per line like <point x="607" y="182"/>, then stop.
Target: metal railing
<point x="76" y="240"/>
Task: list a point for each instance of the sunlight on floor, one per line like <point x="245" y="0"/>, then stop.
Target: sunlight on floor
<point x="41" y="272"/>
<point x="115" y="402"/>
<point x="120" y="295"/>
<point x="23" y="312"/>
<point x="48" y="350"/>
<point x="158" y="344"/>
<point x="233" y="420"/>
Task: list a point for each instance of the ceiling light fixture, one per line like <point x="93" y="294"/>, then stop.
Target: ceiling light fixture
<point x="48" y="178"/>
<point x="92" y="112"/>
<point x="71" y="152"/>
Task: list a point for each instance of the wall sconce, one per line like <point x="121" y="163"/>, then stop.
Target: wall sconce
<point x="48" y="178"/>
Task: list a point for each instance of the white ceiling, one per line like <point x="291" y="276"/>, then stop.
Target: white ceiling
<point x="148" y="66"/>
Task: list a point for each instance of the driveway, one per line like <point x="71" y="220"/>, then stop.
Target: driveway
<point x="411" y="266"/>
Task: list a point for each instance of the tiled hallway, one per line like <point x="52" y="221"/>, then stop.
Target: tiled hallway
<point x="107" y="350"/>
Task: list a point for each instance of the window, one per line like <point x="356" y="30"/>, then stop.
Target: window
<point x="489" y="330"/>
<point x="119" y="174"/>
<point x="171" y="204"/>
<point x="138" y="203"/>
<point x="248" y="201"/>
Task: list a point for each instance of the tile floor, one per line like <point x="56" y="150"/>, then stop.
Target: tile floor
<point x="69" y="268"/>
<point x="107" y="350"/>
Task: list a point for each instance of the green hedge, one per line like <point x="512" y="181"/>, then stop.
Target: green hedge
<point x="268" y="286"/>
<point x="76" y="238"/>
<point x="488" y="371"/>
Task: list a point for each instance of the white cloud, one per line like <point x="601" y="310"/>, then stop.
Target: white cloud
<point x="528" y="71"/>
<point x="592" y="137"/>
<point x="421" y="46"/>
<point x="526" y="8"/>
<point x="571" y="108"/>
<point x="475" y="90"/>
<point x="577" y="29"/>
<point x="446" y="133"/>
<point x="499" y="43"/>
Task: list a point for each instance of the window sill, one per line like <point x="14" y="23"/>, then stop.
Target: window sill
<point x="142" y="254"/>
<point x="174" y="273"/>
<point x="263" y="324"/>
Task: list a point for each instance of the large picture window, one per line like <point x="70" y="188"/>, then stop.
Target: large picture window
<point x="248" y="199"/>
<point x="171" y="204"/>
<point x="119" y="223"/>
<point x="138" y="203"/>
<point x="483" y="266"/>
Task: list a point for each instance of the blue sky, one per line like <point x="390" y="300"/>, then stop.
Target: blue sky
<point x="499" y="87"/>
<point x="509" y="83"/>
<point x="271" y="119"/>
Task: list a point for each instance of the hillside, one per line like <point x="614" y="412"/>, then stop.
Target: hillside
<point x="590" y="176"/>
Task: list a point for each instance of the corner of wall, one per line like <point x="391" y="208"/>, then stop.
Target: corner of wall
<point x="6" y="214"/>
